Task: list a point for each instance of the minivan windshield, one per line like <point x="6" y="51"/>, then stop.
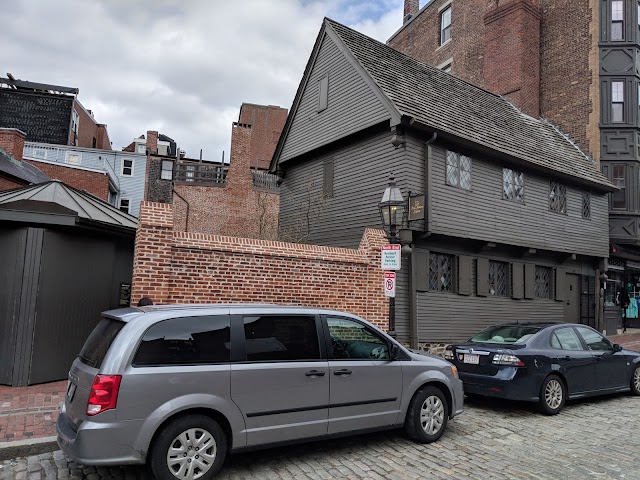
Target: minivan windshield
<point x="98" y="343"/>
<point x="506" y="334"/>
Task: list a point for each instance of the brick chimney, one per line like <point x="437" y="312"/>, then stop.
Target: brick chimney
<point x="12" y="142"/>
<point x="512" y="52"/>
<point x="411" y="8"/>
<point x="152" y="141"/>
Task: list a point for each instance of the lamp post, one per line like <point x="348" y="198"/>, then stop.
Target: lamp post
<point x="392" y="209"/>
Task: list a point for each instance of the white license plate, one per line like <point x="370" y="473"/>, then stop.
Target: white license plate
<point x="470" y="358"/>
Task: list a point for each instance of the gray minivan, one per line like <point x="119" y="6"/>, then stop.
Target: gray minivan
<point x="179" y="386"/>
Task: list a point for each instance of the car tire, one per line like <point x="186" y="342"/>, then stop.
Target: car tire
<point x="553" y="394"/>
<point x="186" y="436"/>
<point x="427" y="415"/>
<point x="635" y="381"/>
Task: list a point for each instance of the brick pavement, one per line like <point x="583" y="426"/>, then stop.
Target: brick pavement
<point x="29" y="412"/>
<point x="594" y="438"/>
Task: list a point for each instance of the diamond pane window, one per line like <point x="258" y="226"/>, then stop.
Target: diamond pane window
<point x="498" y="279"/>
<point x="440" y="272"/>
<point x="512" y="185"/>
<point x="543" y="282"/>
<point x="557" y="197"/>
<point x="586" y="204"/>
<point x="458" y="170"/>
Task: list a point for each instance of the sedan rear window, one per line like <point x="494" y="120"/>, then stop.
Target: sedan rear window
<point x="98" y="343"/>
<point x="506" y="334"/>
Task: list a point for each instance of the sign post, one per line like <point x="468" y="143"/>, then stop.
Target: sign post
<point x="390" y="284"/>
<point x="391" y="259"/>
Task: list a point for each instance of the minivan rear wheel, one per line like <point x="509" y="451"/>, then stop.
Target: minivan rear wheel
<point x="427" y="415"/>
<point x="189" y="448"/>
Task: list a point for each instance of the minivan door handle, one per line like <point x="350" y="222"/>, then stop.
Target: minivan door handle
<point x="315" y="373"/>
<point x="343" y="371"/>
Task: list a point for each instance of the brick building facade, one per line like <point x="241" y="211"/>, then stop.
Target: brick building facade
<point x="181" y="267"/>
<point x="96" y="183"/>
<point x="541" y="54"/>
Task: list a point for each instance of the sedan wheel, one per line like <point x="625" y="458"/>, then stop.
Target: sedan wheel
<point x="189" y="448"/>
<point x="552" y="395"/>
<point x="427" y="415"/>
<point x="635" y="381"/>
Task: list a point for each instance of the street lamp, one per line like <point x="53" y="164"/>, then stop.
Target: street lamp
<point x="392" y="210"/>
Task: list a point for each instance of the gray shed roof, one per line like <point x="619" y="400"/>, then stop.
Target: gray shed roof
<point x="22" y="170"/>
<point x="55" y="198"/>
<point x="424" y="95"/>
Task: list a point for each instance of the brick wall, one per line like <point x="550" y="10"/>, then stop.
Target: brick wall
<point x="9" y="184"/>
<point x="236" y="208"/>
<point x="179" y="267"/>
<point x="512" y="53"/>
<point x="266" y="123"/>
<point x="421" y="38"/>
<point x="12" y="142"/>
<point x="96" y="183"/>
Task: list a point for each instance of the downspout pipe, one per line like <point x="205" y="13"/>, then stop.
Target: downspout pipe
<point x="186" y="226"/>
<point x="413" y="298"/>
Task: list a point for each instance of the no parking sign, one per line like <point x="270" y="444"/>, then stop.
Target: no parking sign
<point x="390" y="284"/>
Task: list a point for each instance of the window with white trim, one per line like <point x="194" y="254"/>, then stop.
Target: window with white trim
<point x="445" y="26"/>
<point x="617" y="101"/>
<point x="125" y="204"/>
<point x="458" y="170"/>
<point x="127" y="167"/>
<point x="617" y="20"/>
<point x="512" y="185"/>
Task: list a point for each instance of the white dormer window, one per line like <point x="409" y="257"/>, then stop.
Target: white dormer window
<point x="127" y="167"/>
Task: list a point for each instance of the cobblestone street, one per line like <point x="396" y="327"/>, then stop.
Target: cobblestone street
<point x="595" y="438"/>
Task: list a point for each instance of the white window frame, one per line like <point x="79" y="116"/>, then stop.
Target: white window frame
<point x="443" y="27"/>
<point x="122" y="167"/>
<point x="128" y="206"/>
<point x="617" y="98"/>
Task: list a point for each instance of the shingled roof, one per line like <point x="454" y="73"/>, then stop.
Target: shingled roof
<point x="444" y="103"/>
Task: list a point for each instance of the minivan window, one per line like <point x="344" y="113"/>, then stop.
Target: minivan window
<point x="281" y="338"/>
<point x="186" y="341"/>
<point x="98" y="343"/>
<point x="352" y="340"/>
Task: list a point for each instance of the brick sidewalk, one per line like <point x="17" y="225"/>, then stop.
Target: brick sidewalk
<point x="30" y="412"/>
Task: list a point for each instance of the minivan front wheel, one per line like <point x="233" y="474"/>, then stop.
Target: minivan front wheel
<point x="427" y="415"/>
<point x="189" y="448"/>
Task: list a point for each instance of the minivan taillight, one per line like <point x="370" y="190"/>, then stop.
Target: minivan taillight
<point x="104" y="394"/>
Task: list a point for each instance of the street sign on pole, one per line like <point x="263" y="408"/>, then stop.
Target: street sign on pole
<point x="390" y="284"/>
<point x="391" y="257"/>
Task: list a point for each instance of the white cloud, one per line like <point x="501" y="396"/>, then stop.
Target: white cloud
<point x="180" y="67"/>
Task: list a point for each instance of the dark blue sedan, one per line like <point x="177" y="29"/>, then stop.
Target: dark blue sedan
<point x="544" y="363"/>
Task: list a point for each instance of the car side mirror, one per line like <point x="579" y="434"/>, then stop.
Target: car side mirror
<point x="394" y="352"/>
<point x="617" y="348"/>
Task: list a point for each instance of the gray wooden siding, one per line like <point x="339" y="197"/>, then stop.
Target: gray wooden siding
<point x="352" y="105"/>
<point x="361" y="173"/>
<point x="453" y="317"/>
<point x="482" y="213"/>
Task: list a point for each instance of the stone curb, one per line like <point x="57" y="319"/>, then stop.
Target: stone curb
<point x="25" y="448"/>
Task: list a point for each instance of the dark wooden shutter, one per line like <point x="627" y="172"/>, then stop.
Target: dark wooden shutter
<point x="517" y="281"/>
<point x="529" y="280"/>
<point x="482" y="277"/>
<point x="328" y="178"/>
<point x="422" y="271"/>
<point x="464" y="275"/>
<point x="560" y="283"/>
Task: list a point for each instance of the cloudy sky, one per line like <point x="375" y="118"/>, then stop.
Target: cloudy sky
<point x="182" y="67"/>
